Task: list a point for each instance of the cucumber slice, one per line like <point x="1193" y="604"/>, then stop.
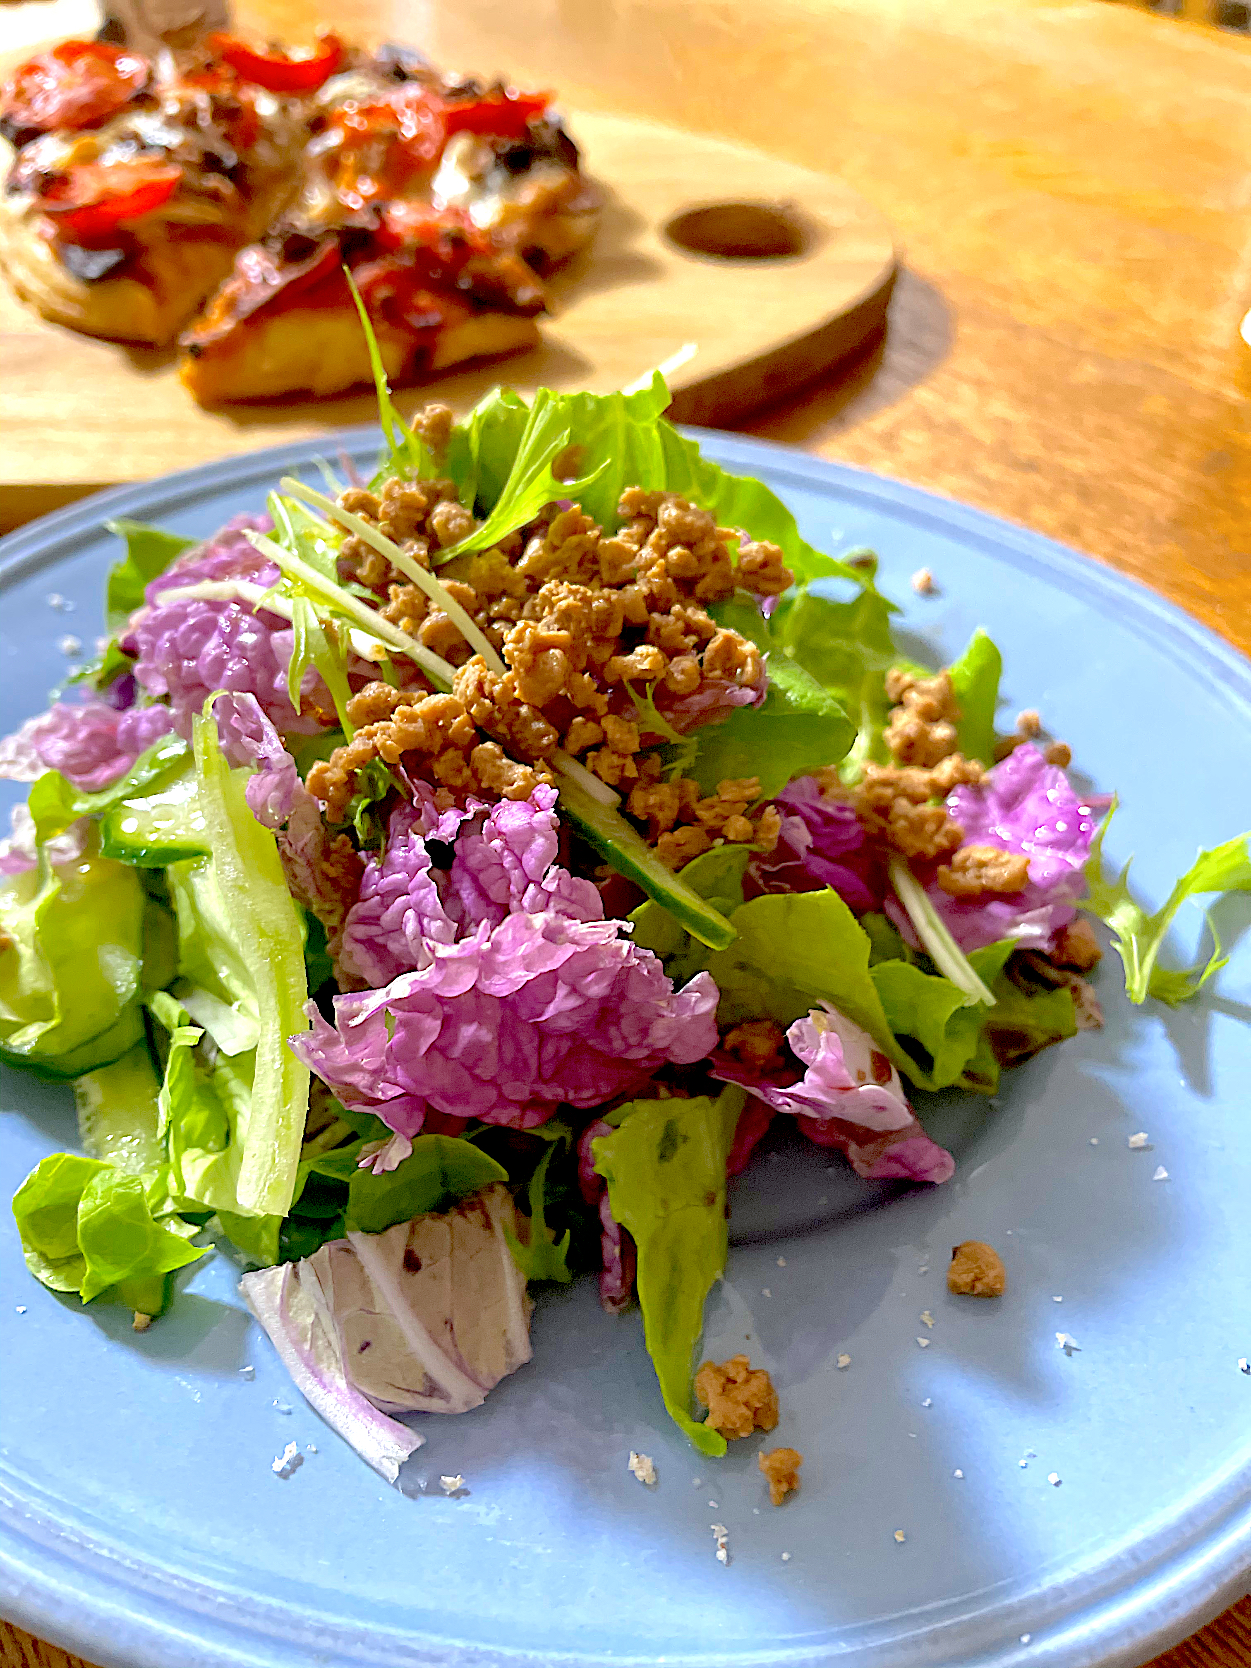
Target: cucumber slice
<point x="156" y="829"/>
<point x="621" y="845"/>
<point x="118" y="1115"/>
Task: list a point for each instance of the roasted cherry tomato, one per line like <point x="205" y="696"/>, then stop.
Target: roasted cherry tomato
<point x="78" y="84"/>
<point x="89" y="201"/>
<point x="498" y="115"/>
<point x="280" y="72"/>
<point x="386" y="143"/>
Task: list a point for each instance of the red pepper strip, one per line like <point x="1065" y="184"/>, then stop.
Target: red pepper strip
<point x="502" y="115"/>
<point x="278" y="72"/>
<point x="91" y="200"/>
<point x="78" y="84"/>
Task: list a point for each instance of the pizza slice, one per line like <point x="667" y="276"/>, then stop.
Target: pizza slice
<point x="135" y="181"/>
<point x="446" y="201"/>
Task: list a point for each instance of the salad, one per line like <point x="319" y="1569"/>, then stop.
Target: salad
<point x="438" y="885"/>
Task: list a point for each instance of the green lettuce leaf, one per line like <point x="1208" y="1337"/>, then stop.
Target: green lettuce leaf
<point x="501" y="458"/>
<point x="205" y="1113"/>
<point x="938" y="1030"/>
<point x="975" y="682"/>
<point x="665" y="1169"/>
<point x="799" y="727"/>
<point x="1137" y="937"/>
<point x="846" y="646"/>
<point x="54" y="802"/>
<point x="794" y="951"/>
<point x="1026" y="1022"/>
<point x="440" y="1170"/>
<point x="245" y="926"/>
<point x="90" y="1228"/>
<point x="542" y="1256"/>
<point x="149" y="551"/>
<point x="717" y="877"/>
<point x="71" y="975"/>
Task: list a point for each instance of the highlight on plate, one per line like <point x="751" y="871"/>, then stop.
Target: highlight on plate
<point x="439" y="884"/>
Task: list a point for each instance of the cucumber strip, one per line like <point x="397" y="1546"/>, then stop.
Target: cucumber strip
<point x="621" y="845"/>
<point x="153" y="830"/>
<point x="118" y="1117"/>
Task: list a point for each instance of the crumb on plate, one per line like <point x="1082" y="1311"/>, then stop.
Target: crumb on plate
<point x="643" y="1468"/>
<point x="976" y="1270"/>
<point x="781" y="1467"/>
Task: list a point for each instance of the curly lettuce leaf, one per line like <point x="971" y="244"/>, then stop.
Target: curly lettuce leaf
<point x="541" y="1256"/>
<point x="71" y="975"/>
<point x="799" y="727"/>
<point x="250" y="934"/>
<point x="665" y="1169"/>
<point x="1137" y="937"/>
<point x="975" y="683"/>
<point x="91" y="1228"/>
<point x="149" y="551"/>
<point x="501" y="458"/>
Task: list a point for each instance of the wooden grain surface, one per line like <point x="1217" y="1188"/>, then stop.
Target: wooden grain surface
<point x="1070" y="182"/>
<point x="760" y="329"/>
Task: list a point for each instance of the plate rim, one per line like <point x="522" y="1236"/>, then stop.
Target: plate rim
<point x="1188" y="1580"/>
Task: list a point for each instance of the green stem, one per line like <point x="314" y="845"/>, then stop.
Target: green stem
<point x="944" y="952"/>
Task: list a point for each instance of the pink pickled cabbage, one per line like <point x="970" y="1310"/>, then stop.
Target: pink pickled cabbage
<point x="499" y="992"/>
<point x="848" y="1096"/>
<point x="821" y="843"/>
<point x="618" y="1255"/>
<point x="1023" y="805"/>
<point x="90" y="742"/>
<point x="188" y="648"/>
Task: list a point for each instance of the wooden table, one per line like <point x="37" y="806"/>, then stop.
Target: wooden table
<point x="1069" y="182"/>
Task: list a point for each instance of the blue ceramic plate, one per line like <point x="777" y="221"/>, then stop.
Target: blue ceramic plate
<point x="1055" y="1508"/>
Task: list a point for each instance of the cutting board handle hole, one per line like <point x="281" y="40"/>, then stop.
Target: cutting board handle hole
<point x="738" y="231"/>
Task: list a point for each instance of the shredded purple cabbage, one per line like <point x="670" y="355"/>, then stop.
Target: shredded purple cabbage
<point x="188" y="648"/>
<point x="848" y="1096"/>
<point x="498" y="991"/>
<point x="1029" y="806"/>
<point x="821" y="843"/>
<point x="90" y="742"/>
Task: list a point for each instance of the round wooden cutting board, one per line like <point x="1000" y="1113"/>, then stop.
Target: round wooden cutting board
<point x="771" y="272"/>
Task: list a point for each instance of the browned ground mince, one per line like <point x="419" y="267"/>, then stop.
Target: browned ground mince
<point x="740" y="1398"/>
<point x="600" y="635"/>
<point x="433" y="733"/>
<point x="780" y="1467"/>
<point x="975" y="869"/>
<point x="758" y="1044"/>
